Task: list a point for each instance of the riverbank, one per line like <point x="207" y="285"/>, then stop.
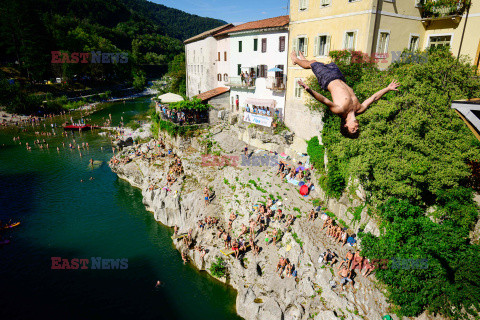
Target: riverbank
<point x="8" y="119"/>
<point x="262" y="293"/>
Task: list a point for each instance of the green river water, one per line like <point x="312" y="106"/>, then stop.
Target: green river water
<point x="63" y="217"/>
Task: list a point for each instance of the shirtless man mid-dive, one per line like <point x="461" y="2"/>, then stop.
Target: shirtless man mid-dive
<point x="345" y="104"/>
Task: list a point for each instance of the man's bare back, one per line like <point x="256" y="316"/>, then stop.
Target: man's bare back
<point x="345" y="104"/>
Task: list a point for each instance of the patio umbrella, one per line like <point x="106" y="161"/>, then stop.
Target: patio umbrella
<point x="170" y="98"/>
<point x="275" y="70"/>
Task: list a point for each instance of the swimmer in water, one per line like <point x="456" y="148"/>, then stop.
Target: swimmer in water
<point x="158" y="284"/>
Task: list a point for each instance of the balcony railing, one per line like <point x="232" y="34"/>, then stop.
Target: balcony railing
<point x="277" y="83"/>
<point x="241" y="83"/>
<point x="435" y="9"/>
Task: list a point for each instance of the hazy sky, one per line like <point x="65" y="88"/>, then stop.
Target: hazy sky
<point x="234" y="11"/>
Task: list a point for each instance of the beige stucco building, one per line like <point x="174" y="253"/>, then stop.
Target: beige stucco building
<point x="376" y="27"/>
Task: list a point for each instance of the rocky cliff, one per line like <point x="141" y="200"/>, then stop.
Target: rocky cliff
<point x="262" y="293"/>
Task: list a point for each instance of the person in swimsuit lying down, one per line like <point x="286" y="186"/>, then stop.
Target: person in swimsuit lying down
<point x="345" y="104"/>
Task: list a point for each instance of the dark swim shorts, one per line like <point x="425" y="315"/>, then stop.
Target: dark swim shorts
<point x="326" y="73"/>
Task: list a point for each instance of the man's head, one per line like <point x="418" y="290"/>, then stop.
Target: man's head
<point x="350" y="129"/>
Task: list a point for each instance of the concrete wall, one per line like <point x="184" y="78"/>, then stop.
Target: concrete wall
<point x="200" y="64"/>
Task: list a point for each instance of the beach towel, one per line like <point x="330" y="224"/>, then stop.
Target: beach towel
<point x="301" y="183"/>
<point x="293" y="181"/>
<point x="283" y="156"/>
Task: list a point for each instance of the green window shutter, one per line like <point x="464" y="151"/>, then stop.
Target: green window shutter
<point x="239" y="46"/>
<point x="239" y="69"/>
<point x="255" y="44"/>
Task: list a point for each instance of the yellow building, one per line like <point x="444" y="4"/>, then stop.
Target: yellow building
<point x="381" y="28"/>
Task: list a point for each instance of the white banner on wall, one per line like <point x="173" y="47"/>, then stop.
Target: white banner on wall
<point x="257" y="119"/>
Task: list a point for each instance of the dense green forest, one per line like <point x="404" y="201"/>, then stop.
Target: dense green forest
<point x="414" y="158"/>
<point x="149" y="34"/>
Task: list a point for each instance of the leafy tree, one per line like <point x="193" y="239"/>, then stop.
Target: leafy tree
<point x="139" y="79"/>
<point x="177" y="73"/>
<point x="446" y="282"/>
<point x="413" y="145"/>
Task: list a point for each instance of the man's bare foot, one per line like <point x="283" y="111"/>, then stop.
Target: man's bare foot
<point x="302" y="57"/>
<point x="294" y="57"/>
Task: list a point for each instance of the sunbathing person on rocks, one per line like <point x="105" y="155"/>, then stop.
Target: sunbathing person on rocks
<point x="311" y="215"/>
<point x="345" y="276"/>
<point x="244" y="230"/>
<point x="269" y="203"/>
<point x="227" y="239"/>
<point x="206" y="194"/>
<point x="184" y="257"/>
<point x="219" y="232"/>
<point x="348" y="260"/>
<point x="289" y="269"/>
<point x="281" y="265"/>
<point x="253" y="224"/>
<point x="368" y="267"/>
<point x="281" y="167"/>
<point x="175" y="230"/>
<point x="357" y="261"/>
<point x="278" y="215"/>
<point x="345" y="104"/>
<point x="202" y="254"/>
<point x="328" y="257"/>
<point x="290" y="220"/>
<point x="343" y="238"/>
<point x="235" y="248"/>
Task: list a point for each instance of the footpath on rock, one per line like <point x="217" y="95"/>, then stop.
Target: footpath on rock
<point x="316" y="292"/>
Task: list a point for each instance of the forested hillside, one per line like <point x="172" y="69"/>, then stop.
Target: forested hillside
<point x="151" y="34"/>
<point x="175" y="23"/>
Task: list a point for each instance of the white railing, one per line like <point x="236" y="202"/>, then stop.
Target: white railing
<point x="239" y="82"/>
<point x="277" y="83"/>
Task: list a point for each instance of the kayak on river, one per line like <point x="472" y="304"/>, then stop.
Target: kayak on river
<point x="12" y="225"/>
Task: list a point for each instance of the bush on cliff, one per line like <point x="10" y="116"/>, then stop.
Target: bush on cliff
<point x="218" y="268"/>
<point x="447" y="279"/>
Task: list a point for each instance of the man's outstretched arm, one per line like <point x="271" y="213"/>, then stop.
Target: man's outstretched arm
<point x="377" y="95"/>
<point x="332" y="106"/>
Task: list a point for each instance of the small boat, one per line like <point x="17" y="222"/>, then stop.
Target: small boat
<point x="10" y="226"/>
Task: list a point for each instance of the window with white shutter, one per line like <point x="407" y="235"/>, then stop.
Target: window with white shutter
<point x="303" y="5"/>
<point x="325" y="3"/>
<point x="349" y="41"/>
<point x="382" y="44"/>
<point x="302" y="45"/>
<point x="298" y="89"/>
<point x="322" y="45"/>
<point x="413" y="44"/>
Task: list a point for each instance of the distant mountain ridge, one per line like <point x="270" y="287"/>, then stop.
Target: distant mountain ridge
<point x="176" y="23"/>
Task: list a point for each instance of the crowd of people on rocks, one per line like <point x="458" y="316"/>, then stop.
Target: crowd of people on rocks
<point x="154" y="150"/>
<point x="238" y="241"/>
<point x="352" y="262"/>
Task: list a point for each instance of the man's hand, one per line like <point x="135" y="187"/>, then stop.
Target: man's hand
<point x="303" y="85"/>
<point x="393" y="86"/>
